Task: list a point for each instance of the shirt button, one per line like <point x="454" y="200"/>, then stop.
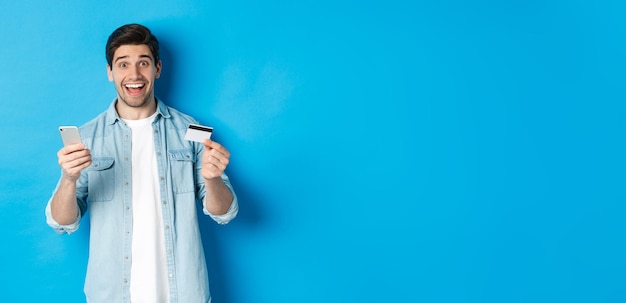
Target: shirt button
<point x="170" y="275"/>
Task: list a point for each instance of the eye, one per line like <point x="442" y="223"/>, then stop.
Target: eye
<point x="144" y="63"/>
<point x="123" y="65"/>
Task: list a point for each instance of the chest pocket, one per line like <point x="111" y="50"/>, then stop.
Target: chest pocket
<point x="101" y="177"/>
<point x="182" y="170"/>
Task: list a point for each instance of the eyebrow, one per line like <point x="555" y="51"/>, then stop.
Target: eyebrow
<point x="126" y="57"/>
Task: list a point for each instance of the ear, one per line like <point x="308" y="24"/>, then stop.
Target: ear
<point x="109" y="73"/>
<point x="158" y="69"/>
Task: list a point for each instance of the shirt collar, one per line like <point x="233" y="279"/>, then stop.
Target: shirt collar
<point x="112" y="117"/>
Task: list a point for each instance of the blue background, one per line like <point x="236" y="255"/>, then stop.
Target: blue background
<point x="389" y="151"/>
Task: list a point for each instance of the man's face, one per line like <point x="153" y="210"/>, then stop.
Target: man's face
<point x="133" y="73"/>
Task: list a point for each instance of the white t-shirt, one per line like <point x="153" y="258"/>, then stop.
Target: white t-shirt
<point x="148" y="273"/>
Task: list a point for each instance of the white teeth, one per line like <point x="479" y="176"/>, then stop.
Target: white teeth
<point x="133" y="85"/>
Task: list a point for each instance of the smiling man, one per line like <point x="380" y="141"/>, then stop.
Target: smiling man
<point x="140" y="181"/>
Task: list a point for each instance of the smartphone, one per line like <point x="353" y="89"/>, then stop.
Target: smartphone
<point x="70" y="135"/>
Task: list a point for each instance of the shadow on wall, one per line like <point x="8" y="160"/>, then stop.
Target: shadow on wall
<point x="216" y="237"/>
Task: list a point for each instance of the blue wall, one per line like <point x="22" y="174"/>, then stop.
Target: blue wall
<point x="391" y="151"/>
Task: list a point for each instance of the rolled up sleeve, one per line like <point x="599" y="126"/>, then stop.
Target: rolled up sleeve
<point x="61" y="229"/>
<point x="232" y="210"/>
<point x="228" y="216"/>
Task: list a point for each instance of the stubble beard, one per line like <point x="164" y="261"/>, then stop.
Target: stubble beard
<point x="143" y="102"/>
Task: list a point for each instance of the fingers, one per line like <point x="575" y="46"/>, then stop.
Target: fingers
<point x="71" y="148"/>
<point x="73" y="159"/>
<point x="72" y="151"/>
<point x="208" y="144"/>
<point x="215" y="159"/>
<point x="76" y="164"/>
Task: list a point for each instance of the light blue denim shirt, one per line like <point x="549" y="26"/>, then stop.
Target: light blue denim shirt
<point x="105" y="188"/>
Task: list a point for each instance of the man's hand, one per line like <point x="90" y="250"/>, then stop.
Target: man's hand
<point x="73" y="159"/>
<point x="214" y="159"/>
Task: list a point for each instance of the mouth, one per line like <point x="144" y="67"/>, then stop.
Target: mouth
<point x="134" y="89"/>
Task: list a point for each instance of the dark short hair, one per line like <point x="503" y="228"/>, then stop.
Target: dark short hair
<point x="131" y="34"/>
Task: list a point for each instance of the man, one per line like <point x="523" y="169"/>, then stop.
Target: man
<point x="141" y="180"/>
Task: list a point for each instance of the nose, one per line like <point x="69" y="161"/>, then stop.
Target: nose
<point x="134" y="72"/>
